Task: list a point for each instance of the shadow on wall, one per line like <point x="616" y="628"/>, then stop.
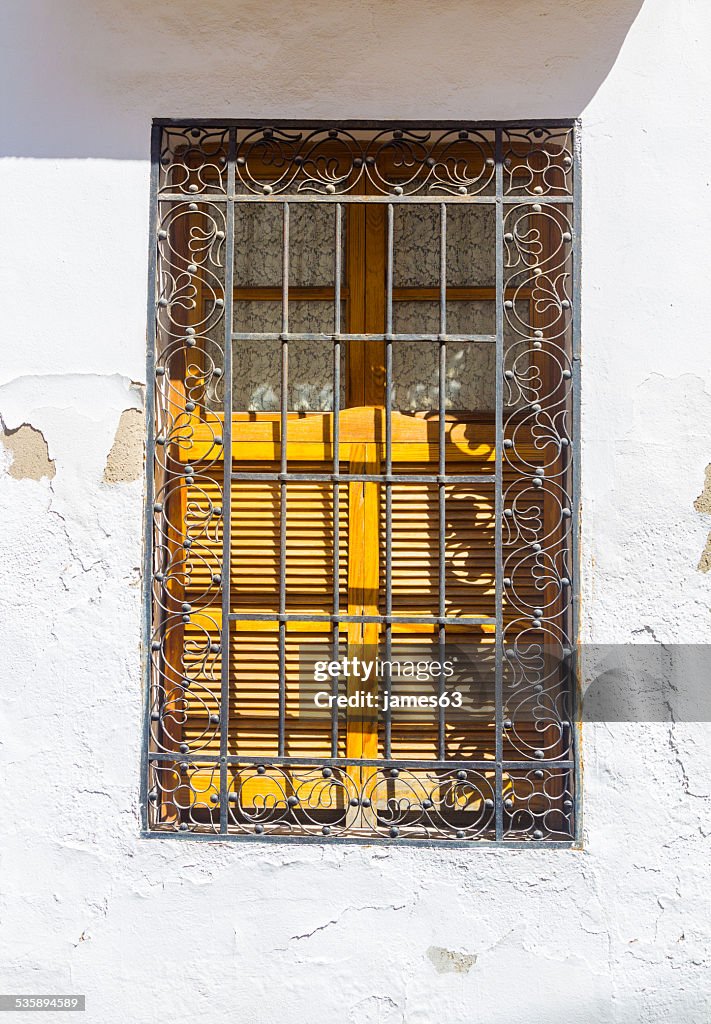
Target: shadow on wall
<point x="85" y="77"/>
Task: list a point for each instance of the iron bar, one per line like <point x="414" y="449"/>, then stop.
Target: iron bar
<point x="283" y="477"/>
<point x="226" y="492"/>
<point x="336" y="489"/>
<point x="447" y="620"/>
<point x="478" y="339"/>
<point x="376" y="478"/>
<point x="441" y="486"/>
<point x="498" y="512"/>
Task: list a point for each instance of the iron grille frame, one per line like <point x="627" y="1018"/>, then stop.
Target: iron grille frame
<point x="501" y="202"/>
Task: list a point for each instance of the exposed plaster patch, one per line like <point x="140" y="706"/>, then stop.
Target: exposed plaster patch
<point x="30" y="454"/>
<point x="703" y="505"/>
<point x="448" y="961"/>
<point x="125" y="460"/>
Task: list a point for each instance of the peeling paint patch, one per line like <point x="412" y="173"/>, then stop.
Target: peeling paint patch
<point x="448" y="961"/>
<point x="125" y="460"/>
<point x="703" y="505"/>
<point x="30" y="454"/>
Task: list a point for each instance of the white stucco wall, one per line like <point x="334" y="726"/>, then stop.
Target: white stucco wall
<point x="150" y="930"/>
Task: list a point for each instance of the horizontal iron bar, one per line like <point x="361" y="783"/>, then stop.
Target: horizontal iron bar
<point x="320" y="762"/>
<point x="359" y="123"/>
<point x="407" y="620"/>
<point x="300" y="837"/>
<point x="375" y="478"/>
<point x="484" y="339"/>
<point x="349" y="197"/>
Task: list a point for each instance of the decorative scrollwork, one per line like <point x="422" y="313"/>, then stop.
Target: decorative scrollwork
<point x="538" y="161"/>
<point x="537" y="500"/>
<point x="455" y="803"/>
<point x="539" y="805"/>
<point x="336" y="161"/>
<point x="193" y="160"/>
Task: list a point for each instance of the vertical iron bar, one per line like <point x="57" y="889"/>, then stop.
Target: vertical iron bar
<point x="498" y="513"/>
<point x="442" y="402"/>
<point x="336" y="465"/>
<point x="282" y="474"/>
<point x="150" y="481"/>
<point x="387" y="673"/>
<point x="227" y="481"/>
<point x="574" y="666"/>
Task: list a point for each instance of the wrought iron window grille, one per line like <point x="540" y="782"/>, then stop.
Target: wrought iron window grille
<point x="219" y="444"/>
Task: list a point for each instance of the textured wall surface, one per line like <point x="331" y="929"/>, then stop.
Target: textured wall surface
<point x="618" y="932"/>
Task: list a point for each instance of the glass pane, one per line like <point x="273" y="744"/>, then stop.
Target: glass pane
<point x="258" y="238"/>
<point x="470" y="383"/>
<point x="312" y="232"/>
<point x="471" y="246"/>
<point x="257" y="384"/>
<point x="463" y="317"/>
<point x="416" y="246"/>
<point x="258" y="245"/>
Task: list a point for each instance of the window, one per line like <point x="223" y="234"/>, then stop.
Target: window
<point x="362" y="447"/>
